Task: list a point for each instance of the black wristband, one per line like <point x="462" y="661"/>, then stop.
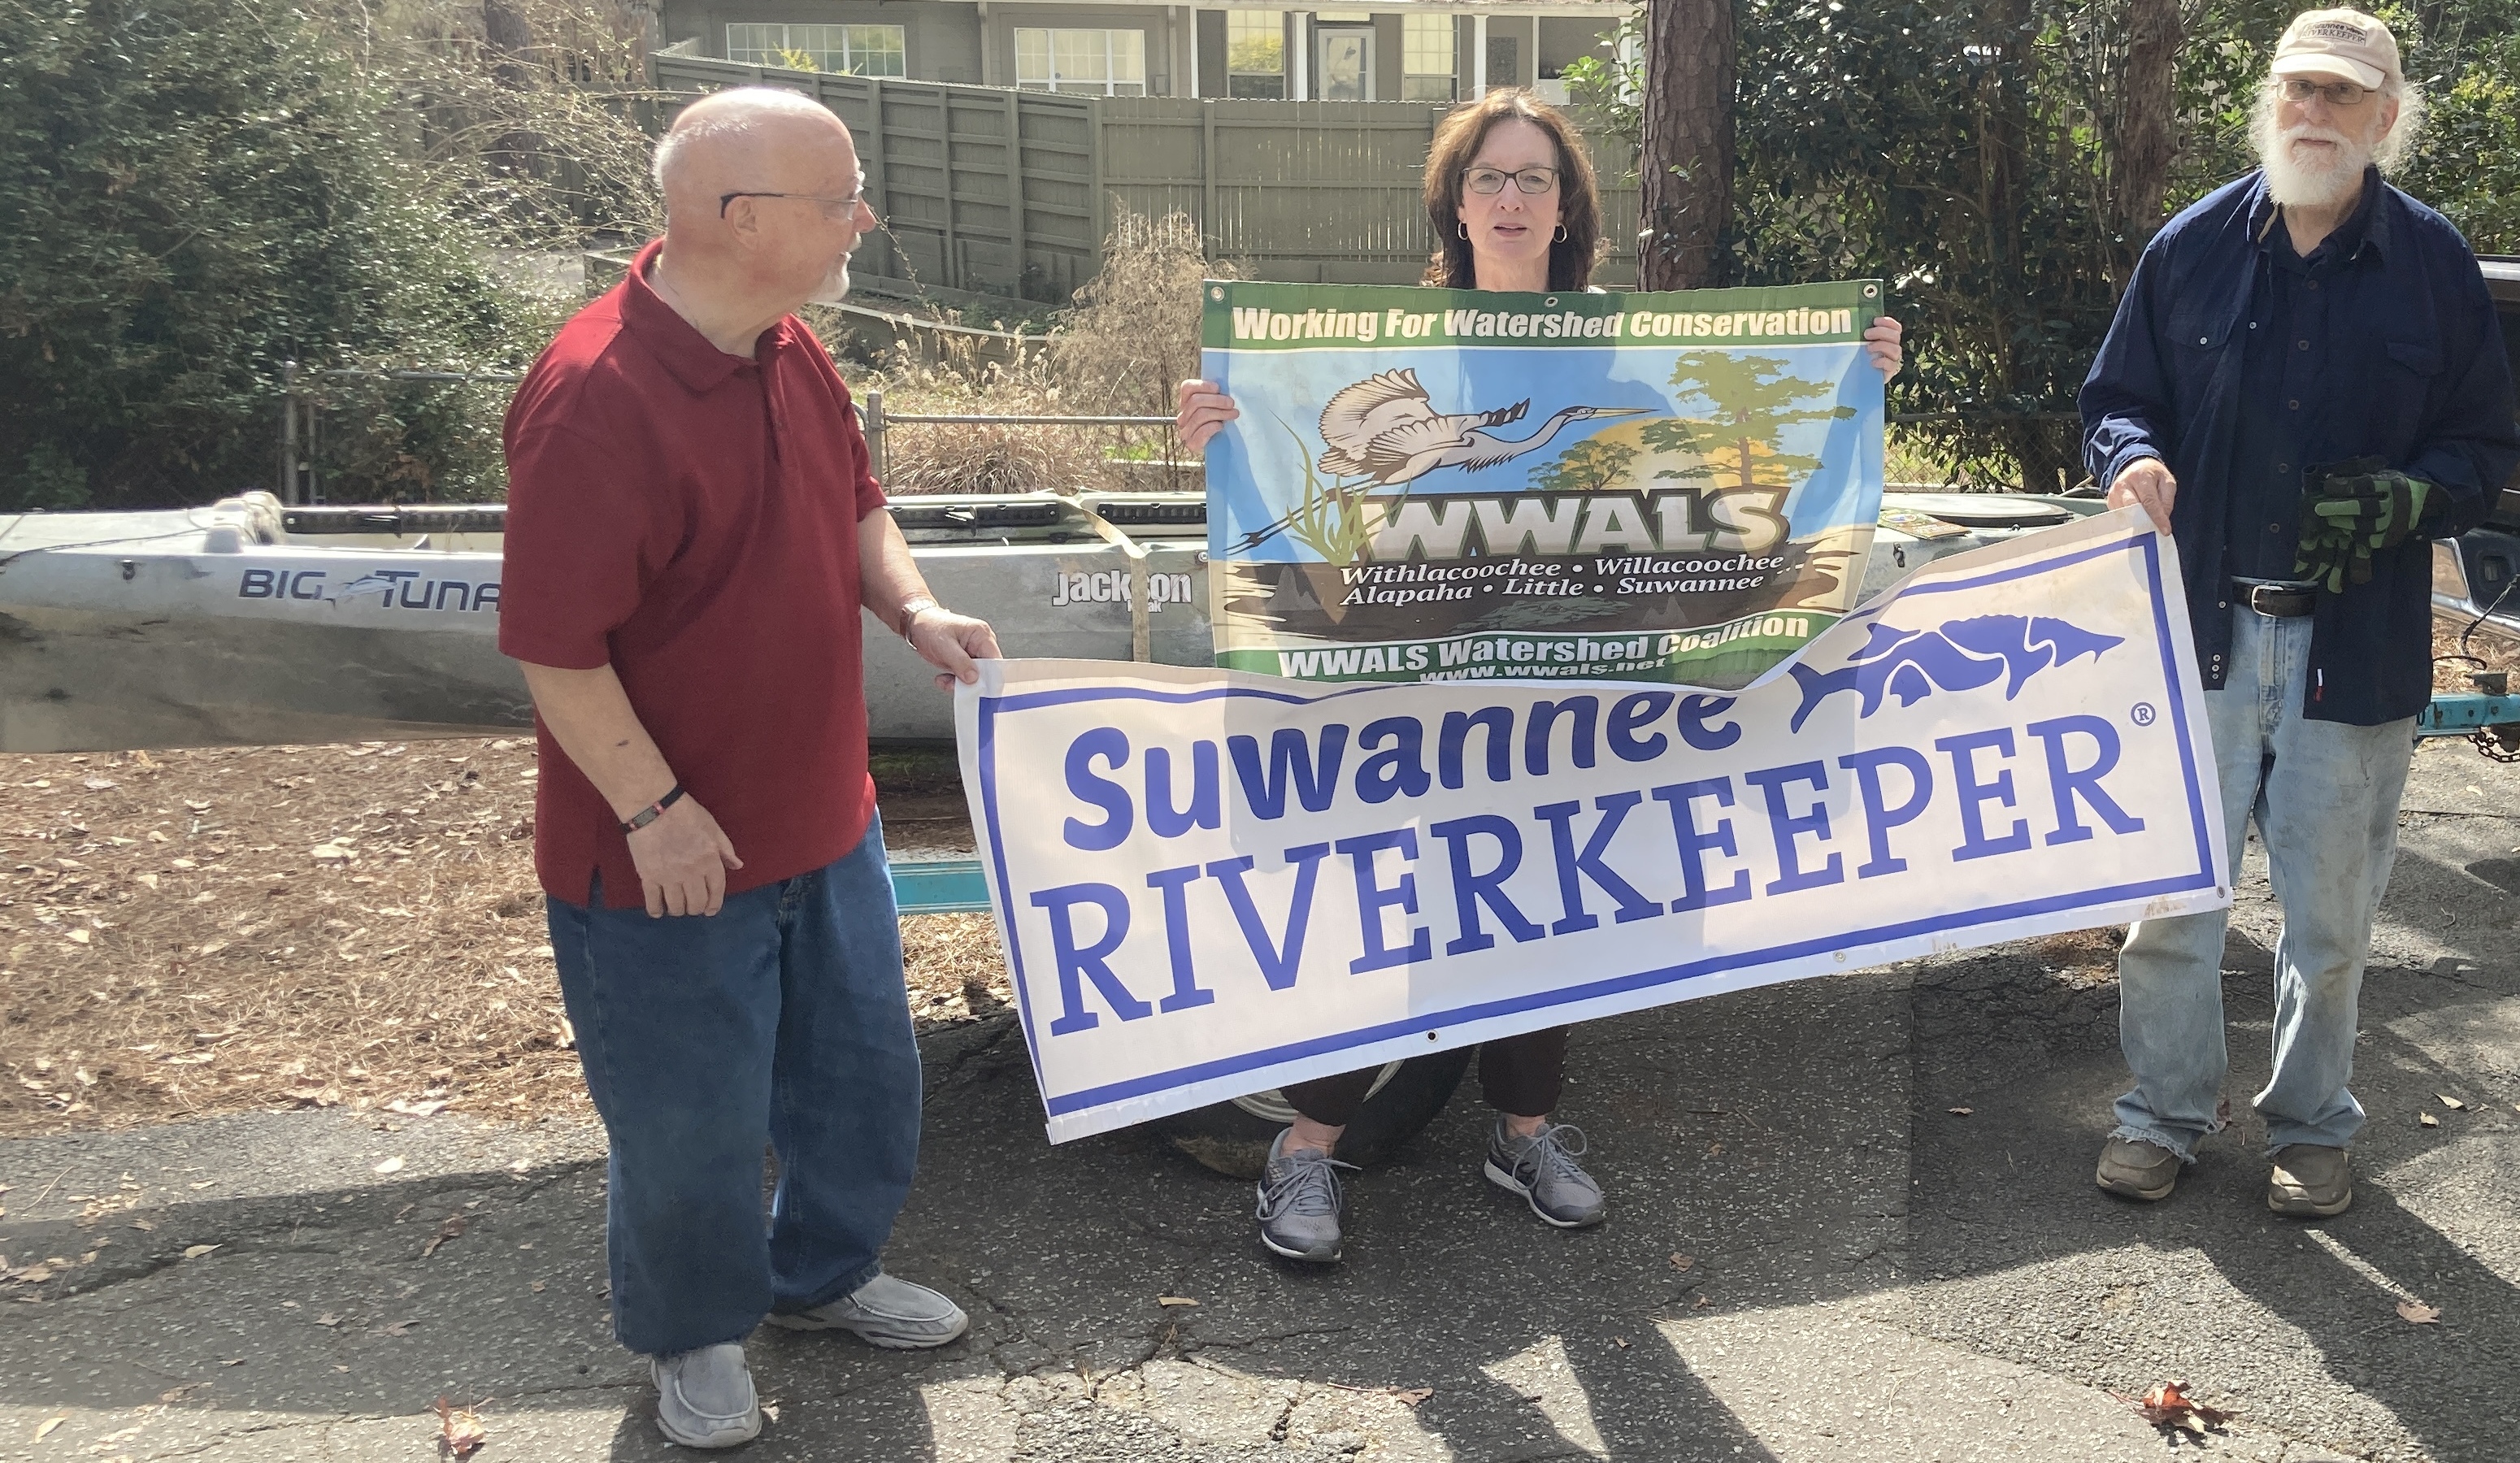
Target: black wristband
<point x="652" y="811"/>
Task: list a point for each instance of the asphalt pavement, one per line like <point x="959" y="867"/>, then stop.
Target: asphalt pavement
<point x="1813" y="1253"/>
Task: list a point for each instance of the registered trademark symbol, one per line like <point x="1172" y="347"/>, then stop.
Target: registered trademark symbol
<point x="2143" y="713"/>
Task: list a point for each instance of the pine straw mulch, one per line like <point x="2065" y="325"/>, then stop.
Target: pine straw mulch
<point x="222" y="930"/>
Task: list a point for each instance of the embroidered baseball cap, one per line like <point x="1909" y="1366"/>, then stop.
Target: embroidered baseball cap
<point x="2345" y="44"/>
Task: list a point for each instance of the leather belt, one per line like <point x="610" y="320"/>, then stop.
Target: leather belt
<point x="2276" y="600"/>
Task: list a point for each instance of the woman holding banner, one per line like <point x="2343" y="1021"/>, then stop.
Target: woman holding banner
<point x="1512" y="199"/>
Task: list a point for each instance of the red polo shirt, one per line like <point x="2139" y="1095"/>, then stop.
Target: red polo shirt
<point x="691" y="518"/>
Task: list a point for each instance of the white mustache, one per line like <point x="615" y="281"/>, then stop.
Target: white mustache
<point x="2312" y="132"/>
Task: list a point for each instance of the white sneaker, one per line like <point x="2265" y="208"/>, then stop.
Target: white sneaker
<point x="704" y="1398"/>
<point x="886" y="1311"/>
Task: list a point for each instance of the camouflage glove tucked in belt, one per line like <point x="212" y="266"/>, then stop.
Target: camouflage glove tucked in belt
<point x="2351" y="510"/>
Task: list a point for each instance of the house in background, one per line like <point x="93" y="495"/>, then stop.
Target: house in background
<point x="1379" y="50"/>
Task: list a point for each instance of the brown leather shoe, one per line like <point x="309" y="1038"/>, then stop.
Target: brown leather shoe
<point x="2137" y="1170"/>
<point x="2310" y="1181"/>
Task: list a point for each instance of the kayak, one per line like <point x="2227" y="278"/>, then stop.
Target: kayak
<point x="249" y="622"/>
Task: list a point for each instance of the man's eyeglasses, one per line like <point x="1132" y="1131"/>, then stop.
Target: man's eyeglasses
<point x="2339" y="94"/>
<point x="1531" y="181"/>
<point x="841" y="207"/>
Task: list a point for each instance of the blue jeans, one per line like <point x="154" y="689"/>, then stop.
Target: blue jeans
<point x="2325" y="799"/>
<point x="782" y="1020"/>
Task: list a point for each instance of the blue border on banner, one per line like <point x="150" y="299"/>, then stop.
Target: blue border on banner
<point x="2146" y="545"/>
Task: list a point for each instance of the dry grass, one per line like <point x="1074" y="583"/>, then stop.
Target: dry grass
<point x="2490" y="649"/>
<point x="1130" y="339"/>
<point x="195" y="932"/>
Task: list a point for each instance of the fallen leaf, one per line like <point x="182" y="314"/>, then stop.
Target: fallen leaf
<point x="177" y="1395"/>
<point x="452" y="1228"/>
<point x="1175" y="1301"/>
<point x="459" y="1429"/>
<point x="2453" y="1103"/>
<point x="1411" y="1396"/>
<point x="393" y="1328"/>
<point x="392" y="1165"/>
<point x="44" y="1428"/>
<point x="100" y="784"/>
<point x="1702" y="1304"/>
<point x="148" y="879"/>
<point x="1679" y="1261"/>
<point x="195" y="1252"/>
<point x="2417" y="1312"/>
<point x="2168" y="1405"/>
<point x="411" y="1109"/>
<point x="1620" y="1342"/>
<point x="538" y="1287"/>
<point x="2428" y="1120"/>
<point x="143" y="1224"/>
<point x="33" y="1274"/>
<point x="80" y="937"/>
<point x="1960" y="1112"/>
<point x="769" y="1409"/>
<point x="328" y="1319"/>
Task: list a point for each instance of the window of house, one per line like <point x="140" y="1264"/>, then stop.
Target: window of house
<point x="842" y="50"/>
<point x="1255" y="52"/>
<point x="1096" y="63"/>
<point x="1426" y="59"/>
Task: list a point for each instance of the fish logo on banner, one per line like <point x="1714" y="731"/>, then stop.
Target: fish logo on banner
<point x="1956" y="655"/>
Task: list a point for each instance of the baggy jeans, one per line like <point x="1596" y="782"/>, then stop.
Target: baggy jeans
<point x="2325" y="796"/>
<point x="780" y="1020"/>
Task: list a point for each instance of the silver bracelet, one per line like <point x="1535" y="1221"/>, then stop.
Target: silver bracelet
<point x="912" y="609"/>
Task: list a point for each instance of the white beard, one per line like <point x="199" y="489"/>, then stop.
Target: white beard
<point x="2306" y="183"/>
<point x="835" y="287"/>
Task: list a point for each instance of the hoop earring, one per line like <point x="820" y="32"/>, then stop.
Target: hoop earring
<point x="1562" y="233"/>
<point x="1461" y="227"/>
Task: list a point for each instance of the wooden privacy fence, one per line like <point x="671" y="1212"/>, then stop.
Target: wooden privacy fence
<point x="1011" y="193"/>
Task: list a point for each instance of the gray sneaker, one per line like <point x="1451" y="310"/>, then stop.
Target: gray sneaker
<point x="2136" y="1168"/>
<point x="886" y="1311"/>
<point x="1541" y="1168"/>
<point x="2310" y="1181"/>
<point x="1300" y="1202"/>
<point x="704" y="1398"/>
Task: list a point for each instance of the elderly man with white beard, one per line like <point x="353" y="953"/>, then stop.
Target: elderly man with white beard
<point x="2304" y="384"/>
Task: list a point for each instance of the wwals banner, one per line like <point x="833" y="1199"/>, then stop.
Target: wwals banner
<point x="1450" y="485"/>
<point x="1211" y="884"/>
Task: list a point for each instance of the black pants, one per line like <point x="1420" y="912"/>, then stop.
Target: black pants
<point x="1518" y="1075"/>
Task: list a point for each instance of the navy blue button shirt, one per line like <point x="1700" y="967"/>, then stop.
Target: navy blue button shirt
<point x="2294" y="314"/>
<point x="2408" y="365"/>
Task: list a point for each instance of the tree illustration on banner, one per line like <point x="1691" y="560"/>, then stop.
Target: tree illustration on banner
<point x="1592" y="465"/>
<point x="1755" y="400"/>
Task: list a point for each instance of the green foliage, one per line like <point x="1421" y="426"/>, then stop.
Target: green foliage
<point x="195" y="190"/>
<point x="1592" y="465"/>
<point x="1965" y="151"/>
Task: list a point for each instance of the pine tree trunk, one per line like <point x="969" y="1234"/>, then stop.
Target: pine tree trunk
<point x="2147" y="136"/>
<point x="1686" y="163"/>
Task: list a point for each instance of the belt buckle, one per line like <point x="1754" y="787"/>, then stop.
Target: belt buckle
<point x="2264" y="598"/>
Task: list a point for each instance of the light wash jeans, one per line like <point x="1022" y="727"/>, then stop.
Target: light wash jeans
<point x="2325" y="799"/>
<point x="782" y="1018"/>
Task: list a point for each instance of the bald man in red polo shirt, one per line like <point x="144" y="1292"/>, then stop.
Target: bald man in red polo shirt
<point x="693" y="530"/>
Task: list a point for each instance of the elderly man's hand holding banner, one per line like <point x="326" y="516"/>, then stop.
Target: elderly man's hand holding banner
<point x="1211" y="884"/>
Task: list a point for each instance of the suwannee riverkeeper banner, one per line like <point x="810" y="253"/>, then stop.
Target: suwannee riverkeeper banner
<point x="1211" y="884"/>
<point x="1455" y="485"/>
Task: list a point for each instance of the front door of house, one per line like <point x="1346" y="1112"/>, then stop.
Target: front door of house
<point x="1343" y="59"/>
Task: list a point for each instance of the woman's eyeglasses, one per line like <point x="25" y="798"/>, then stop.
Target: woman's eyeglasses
<point x="1531" y="181"/>
<point x="2339" y="94"/>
